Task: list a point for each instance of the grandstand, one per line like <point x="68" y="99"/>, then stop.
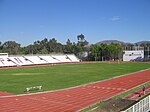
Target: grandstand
<point x="31" y="60"/>
<point x="25" y="60"/>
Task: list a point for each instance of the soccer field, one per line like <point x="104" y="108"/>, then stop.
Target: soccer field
<point x="16" y="80"/>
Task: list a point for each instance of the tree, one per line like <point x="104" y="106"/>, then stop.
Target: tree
<point x="1" y="46"/>
<point x="81" y="37"/>
<point x="68" y="48"/>
<point x="54" y="46"/>
<point x="111" y="51"/>
<point x="44" y="51"/>
<point x="80" y="47"/>
<point x="11" y="47"/>
<point x="81" y="40"/>
<point x="96" y="51"/>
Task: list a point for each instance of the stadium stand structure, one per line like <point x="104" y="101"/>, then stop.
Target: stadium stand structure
<point x="10" y="61"/>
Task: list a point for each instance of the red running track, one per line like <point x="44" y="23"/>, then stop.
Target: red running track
<point x="73" y="99"/>
<point x="138" y="94"/>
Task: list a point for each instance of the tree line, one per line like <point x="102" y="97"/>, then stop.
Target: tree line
<point x="45" y="46"/>
<point x="81" y="48"/>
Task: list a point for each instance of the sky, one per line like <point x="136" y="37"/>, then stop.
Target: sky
<point x="26" y="21"/>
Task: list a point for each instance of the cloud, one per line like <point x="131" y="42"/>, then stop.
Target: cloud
<point x="115" y="18"/>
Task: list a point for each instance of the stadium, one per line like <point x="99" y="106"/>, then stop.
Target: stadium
<point x="61" y="82"/>
<point x="74" y="56"/>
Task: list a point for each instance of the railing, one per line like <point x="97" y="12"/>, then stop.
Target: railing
<point x="141" y="106"/>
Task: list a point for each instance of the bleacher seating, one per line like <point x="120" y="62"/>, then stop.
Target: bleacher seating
<point x="73" y="58"/>
<point x="61" y="58"/>
<point x="37" y="59"/>
<point x="50" y="59"/>
<point x="23" y="61"/>
<point x="5" y="61"/>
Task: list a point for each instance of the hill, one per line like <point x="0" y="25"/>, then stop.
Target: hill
<point x="142" y="42"/>
<point x="110" y="41"/>
<point x="121" y="42"/>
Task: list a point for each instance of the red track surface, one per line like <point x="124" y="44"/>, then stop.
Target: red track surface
<point x="73" y="99"/>
<point x="138" y="94"/>
<point x="5" y="94"/>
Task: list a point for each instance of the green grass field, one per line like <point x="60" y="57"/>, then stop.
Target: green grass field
<point x="15" y="80"/>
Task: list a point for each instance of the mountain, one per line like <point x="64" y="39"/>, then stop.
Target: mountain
<point x="111" y="41"/>
<point x="142" y="42"/>
<point x="122" y="43"/>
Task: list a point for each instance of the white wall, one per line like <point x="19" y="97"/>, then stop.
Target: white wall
<point x="133" y="55"/>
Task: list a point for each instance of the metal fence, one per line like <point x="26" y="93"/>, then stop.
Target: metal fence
<point x="141" y="106"/>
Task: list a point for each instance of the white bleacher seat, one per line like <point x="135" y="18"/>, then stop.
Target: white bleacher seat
<point x="61" y="58"/>
<point x="2" y="63"/>
<point x="49" y="59"/>
<point x="18" y="60"/>
<point x="73" y="58"/>
<point x="5" y="61"/>
<point x="24" y="61"/>
<point x="12" y="62"/>
<point x="34" y="59"/>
